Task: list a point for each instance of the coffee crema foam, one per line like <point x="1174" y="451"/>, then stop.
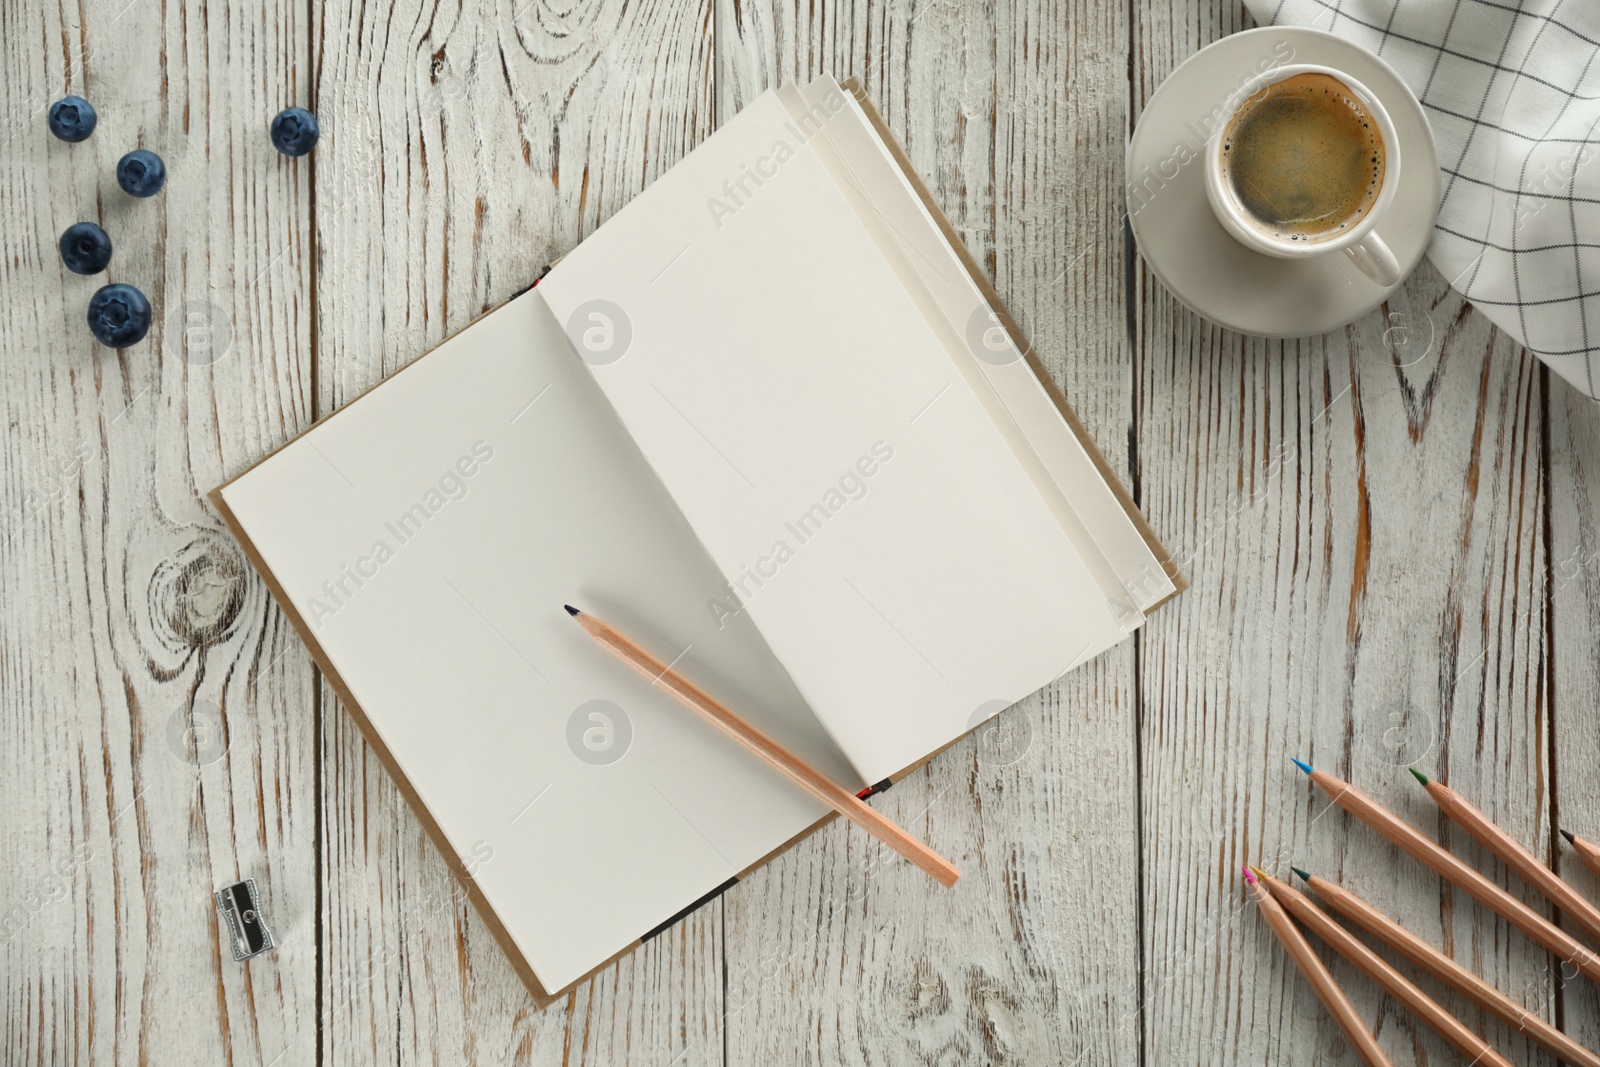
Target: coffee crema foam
<point x="1304" y="158"/>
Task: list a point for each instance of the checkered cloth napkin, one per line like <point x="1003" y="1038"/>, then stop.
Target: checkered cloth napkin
<point x="1512" y="89"/>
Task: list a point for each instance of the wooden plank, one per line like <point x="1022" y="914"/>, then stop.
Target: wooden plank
<point x="1361" y="515"/>
<point x="1574" y="585"/>
<point x="837" y="953"/>
<point x="158" y="739"/>
<point x="464" y="149"/>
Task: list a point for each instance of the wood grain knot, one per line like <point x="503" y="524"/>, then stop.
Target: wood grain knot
<point x="196" y="594"/>
<point x="924" y="994"/>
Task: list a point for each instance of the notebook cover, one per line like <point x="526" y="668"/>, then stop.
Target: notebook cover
<point x="542" y="997"/>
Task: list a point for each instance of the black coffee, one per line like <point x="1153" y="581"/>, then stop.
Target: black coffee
<point x="1304" y="158"/>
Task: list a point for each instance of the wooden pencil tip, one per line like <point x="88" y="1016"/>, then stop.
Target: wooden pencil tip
<point x="1248" y="877"/>
<point x="1302" y="764"/>
<point x="570" y="609"/>
<point x="1423" y="778"/>
<point x="1571" y="838"/>
<point x="1302" y="875"/>
<point x="1259" y="873"/>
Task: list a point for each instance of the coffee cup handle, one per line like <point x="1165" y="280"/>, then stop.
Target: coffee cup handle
<point x="1375" y="260"/>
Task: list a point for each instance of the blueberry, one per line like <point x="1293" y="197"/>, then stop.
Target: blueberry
<point x="295" y="131"/>
<point x="141" y="173"/>
<point x="119" y="315"/>
<point x="85" y="248"/>
<point x="72" y="119"/>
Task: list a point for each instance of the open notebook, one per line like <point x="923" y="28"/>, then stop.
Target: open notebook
<point x="771" y="422"/>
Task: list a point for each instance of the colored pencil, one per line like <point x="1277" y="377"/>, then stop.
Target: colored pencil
<point x="1587" y="851"/>
<point x="1554" y="939"/>
<point x="1512" y="854"/>
<point x="776" y="755"/>
<point x="1475" y="1048"/>
<point x="1338" y="899"/>
<point x="1316" y="974"/>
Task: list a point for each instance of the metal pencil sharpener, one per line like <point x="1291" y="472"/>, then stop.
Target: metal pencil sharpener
<point x="240" y="906"/>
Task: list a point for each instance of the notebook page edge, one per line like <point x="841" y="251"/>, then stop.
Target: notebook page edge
<point x="865" y="192"/>
<point x="1168" y="577"/>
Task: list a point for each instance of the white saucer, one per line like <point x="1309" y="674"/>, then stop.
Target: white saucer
<point x="1187" y="248"/>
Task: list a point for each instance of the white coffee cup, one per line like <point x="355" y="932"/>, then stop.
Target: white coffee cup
<point x="1360" y="244"/>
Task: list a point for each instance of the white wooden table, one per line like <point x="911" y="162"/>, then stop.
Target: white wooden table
<point x="1391" y="531"/>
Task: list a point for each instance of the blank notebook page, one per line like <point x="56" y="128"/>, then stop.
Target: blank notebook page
<point x="814" y="430"/>
<point x="429" y="534"/>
